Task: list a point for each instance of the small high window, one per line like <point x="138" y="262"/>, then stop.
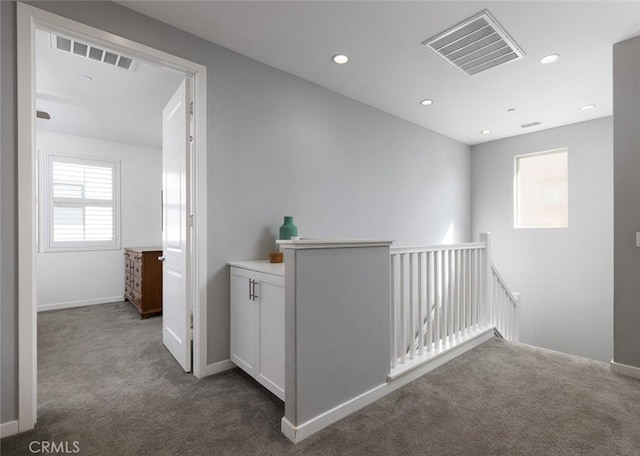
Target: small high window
<point x="80" y="203"/>
<point x="542" y="190"/>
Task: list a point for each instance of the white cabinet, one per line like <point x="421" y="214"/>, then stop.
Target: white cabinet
<point x="257" y="323"/>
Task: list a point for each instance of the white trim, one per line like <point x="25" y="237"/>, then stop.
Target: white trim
<point x="625" y="369"/>
<point x="312" y="243"/>
<point x="199" y="195"/>
<point x="8" y="428"/>
<point x="301" y="432"/>
<point x="81" y="303"/>
<point x="216" y="368"/>
<point x="433" y="360"/>
<point x="28" y="18"/>
<point x="27" y="347"/>
<point x="435" y="248"/>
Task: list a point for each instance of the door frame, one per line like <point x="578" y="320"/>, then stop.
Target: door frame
<point x="29" y="19"/>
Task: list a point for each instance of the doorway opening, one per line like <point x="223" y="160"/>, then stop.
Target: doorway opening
<point x="103" y="180"/>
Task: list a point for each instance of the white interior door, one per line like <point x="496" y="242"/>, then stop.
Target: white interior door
<point x="176" y="308"/>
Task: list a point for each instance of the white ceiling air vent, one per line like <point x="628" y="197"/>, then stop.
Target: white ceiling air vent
<point x="475" y="45"/>
<point x="92" y="52"/>
<point x="530" y="124"/>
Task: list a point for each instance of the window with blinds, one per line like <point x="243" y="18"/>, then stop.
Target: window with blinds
<point x="82" y="210"/>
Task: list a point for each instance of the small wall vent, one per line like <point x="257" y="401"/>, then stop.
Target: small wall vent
<point x="92" y="52"/>
<point x="476" y="45"/>
<point x="530" y="124"/>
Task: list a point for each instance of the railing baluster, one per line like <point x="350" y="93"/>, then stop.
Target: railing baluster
<point x="458" y="296"/>
<point x="420" y="304"/>
<point x="393" y="313"/>
<point x="445" y="298"/>
<point x="476" y="300"/>
<point x="429" y="301"/>
<point x="403" y="321"/>
<point x="412" y="326"/>
<point x="467" y="290"/>
<point x="438" y="289"/>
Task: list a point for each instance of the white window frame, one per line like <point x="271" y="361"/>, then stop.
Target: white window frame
<point x="516" y="189"/>
<point x="47" y="159"/>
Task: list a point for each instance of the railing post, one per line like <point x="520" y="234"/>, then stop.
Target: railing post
<point x="485" y="319"/>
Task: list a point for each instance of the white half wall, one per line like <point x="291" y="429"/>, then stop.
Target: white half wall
<point x="68" y="279"/>
<point x="565" y="275"/>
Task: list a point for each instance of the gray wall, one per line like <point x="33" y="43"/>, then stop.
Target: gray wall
<point x="626" y="138"/>
<point x="337" y="327"/>
<point x="8" y="217"/>
<point x="565" y="275"/>
<point x="278" y="145"/>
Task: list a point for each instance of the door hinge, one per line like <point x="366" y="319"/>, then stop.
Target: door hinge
<point x="191" y="220"/>
<point x="191" y="108"/>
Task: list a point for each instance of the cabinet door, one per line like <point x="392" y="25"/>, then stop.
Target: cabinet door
<point x="244" y="321"/>
<point x="271" y="356"/>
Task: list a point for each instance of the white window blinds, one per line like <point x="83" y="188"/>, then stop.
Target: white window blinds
<point x="83" y="207"/>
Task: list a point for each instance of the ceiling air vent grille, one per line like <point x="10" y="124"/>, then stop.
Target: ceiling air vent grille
<point x="475" y="45"/>
<point x="92" y="52"/>
<point x="530" y="124"/>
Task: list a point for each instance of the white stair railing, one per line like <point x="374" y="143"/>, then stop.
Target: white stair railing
<point x="441" y="296"/>
<point x="504" y="312"/>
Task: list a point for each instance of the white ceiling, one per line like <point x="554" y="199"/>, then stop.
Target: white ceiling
<point x="117" y="105"/>
<point x="392" y="71"/>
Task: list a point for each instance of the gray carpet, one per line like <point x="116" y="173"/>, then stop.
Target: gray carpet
<point x="106" y="381"/>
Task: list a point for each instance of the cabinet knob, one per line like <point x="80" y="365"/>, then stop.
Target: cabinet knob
<point x="161" y="258"/>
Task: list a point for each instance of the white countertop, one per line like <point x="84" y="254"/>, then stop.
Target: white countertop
<point x="260" y="266"/>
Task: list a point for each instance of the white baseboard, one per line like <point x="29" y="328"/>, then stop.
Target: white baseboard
<point x="216" y="368"/>
<point x="296" y="434"/>
<point x="9" y="428"/>
<point x="301" y="432"/>
<point x="430" y="362"/>
<point x="624" y="369"/>
<point x="84" y="302"/>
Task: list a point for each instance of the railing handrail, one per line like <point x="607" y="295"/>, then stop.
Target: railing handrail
<point x="512" y="296"/>
<point x="436" y="248"/>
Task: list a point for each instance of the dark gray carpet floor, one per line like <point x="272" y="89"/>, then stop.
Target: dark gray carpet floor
<point x="106" y="381"/>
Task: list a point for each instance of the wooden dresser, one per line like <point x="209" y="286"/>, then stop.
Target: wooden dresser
<point x="143" y="279"/>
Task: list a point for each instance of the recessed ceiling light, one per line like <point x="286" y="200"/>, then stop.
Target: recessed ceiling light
<point x="340" y="59"/>
<point x="587" y="107"/>
<point x="547" y="59"/>
<point x="426" y="102"/>
<point x="485" y="132"/>
<point x="86" y="77"/>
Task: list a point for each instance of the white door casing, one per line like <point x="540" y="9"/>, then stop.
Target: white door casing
<point x="176" y="309"/>
<point x="28" y="19"/>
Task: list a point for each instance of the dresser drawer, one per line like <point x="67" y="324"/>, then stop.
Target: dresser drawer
<point x="135" y="298"/>
<point x="137" y="268"/>
<point x="133" y="256"/>
<point x="137" y="284"/>
<point x="128" y="291"/>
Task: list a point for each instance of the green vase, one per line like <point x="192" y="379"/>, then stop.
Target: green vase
<point x="288" y="229"/>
